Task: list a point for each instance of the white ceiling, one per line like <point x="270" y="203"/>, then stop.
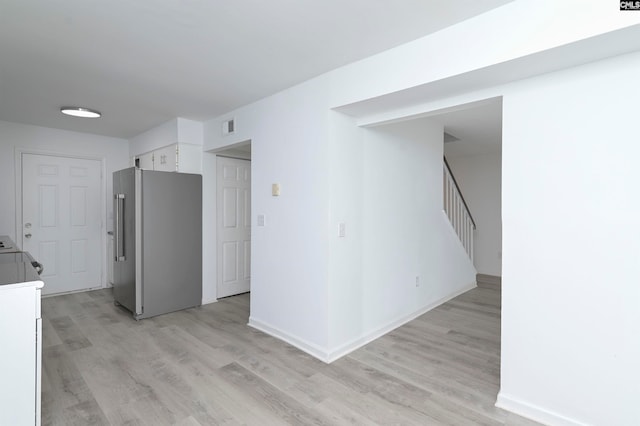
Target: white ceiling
<point x="478" y="128"/>
<point x="144" y="62"/>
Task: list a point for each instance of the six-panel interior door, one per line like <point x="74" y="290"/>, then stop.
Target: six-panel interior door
<point x="61" y="220"/>
<point x="233" y="226"/>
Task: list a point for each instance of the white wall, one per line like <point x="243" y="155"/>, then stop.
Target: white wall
<point x="297" y="281"/>
<point x="175" y="130"/>
<point x="156" y="137"/>
<point x="479" y="177"/>
<point x="289" y="267"/>
<point x="326" y="294"/>
<point x="402" y="234"/>
<point x="570" y="312"/>
<point x="561" y="324"/>
<point x="345" y="284"/>
<point x="13" y="136"/>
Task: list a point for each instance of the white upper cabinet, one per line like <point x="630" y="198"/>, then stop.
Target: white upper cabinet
<point x="177" y="157"/>
<point x="145" y="161"/>
<point x="166" y="159"/>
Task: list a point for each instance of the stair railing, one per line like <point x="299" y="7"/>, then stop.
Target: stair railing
<point x="457" y="210"/>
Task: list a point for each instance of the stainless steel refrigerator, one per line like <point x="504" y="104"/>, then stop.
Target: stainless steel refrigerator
<point x="157" y="241"/>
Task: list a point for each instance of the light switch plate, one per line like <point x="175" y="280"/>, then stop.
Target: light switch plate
<point x="275" y="189"/>
<point x="261" y="220"/>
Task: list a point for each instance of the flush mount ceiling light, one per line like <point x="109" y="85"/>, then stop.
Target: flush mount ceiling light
<point x="80" y="112"/>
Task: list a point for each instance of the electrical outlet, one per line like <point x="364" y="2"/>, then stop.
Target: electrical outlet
<point x="417" y="281"/>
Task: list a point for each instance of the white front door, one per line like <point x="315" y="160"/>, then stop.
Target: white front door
<point x="62" y="221"/>
<point x="233" y="226"/>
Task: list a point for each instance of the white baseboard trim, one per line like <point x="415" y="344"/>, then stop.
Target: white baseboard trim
<point x="208" y="301"/>
<point x="534" y="412"/>
<point x="331" y="355"/>
<point x="310" y="348"/>
<point x="373" y="335"/>
<point x="64" y="293"/>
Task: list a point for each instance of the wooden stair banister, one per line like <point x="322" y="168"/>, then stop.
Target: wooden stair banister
<point x="457" y="209"/>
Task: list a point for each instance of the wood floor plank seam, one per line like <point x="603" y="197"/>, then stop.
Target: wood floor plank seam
<point x="204" y="366"/>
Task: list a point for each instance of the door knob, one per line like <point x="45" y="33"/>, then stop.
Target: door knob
<point x="27" y="235"/>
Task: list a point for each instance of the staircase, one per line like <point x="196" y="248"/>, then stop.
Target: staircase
<point x="457" y="210"/>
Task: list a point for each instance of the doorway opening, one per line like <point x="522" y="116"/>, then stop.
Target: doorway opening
<point x="233" y="220"/>
<point x="473" y="150"/>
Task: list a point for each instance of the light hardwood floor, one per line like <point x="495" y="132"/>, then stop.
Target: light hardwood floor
<point x="205" y="366"/>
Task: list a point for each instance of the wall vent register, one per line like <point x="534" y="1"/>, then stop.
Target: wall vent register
<point x="229" y="127"/>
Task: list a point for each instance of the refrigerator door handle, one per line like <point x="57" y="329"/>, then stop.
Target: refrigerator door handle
<point x="116" y="236"/>
<point x="119" y="234"/>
